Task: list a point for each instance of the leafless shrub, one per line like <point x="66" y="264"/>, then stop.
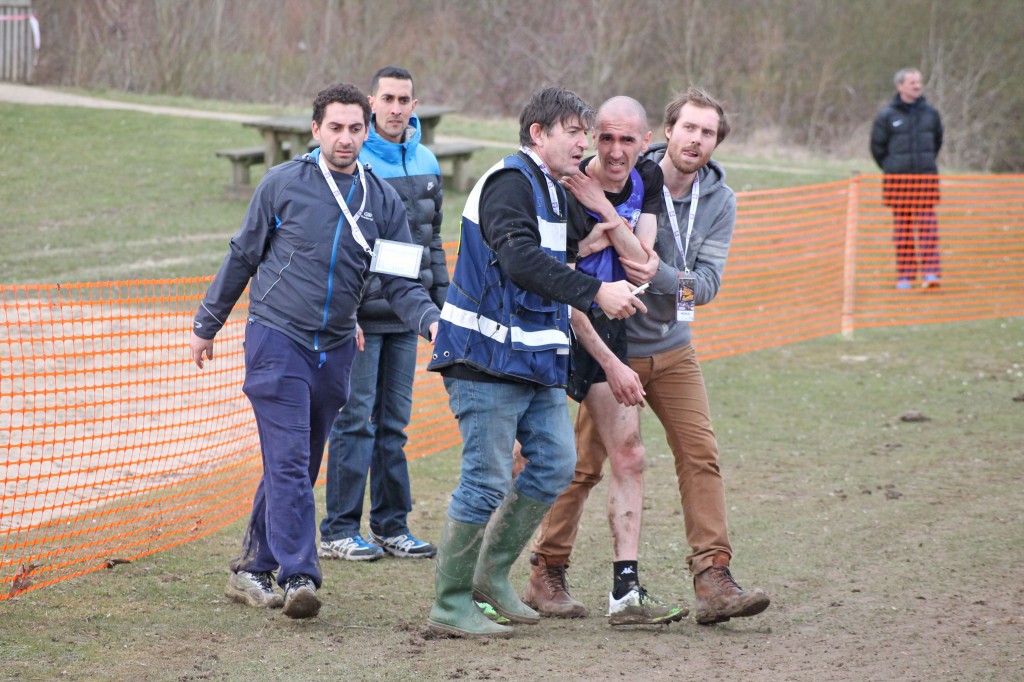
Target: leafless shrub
<point x="815" y="70"/>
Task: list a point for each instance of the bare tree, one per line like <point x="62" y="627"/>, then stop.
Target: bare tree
<point x="813" y="71"/>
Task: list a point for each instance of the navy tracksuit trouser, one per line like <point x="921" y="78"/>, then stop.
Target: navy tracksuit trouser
<point x="295" y="394"/>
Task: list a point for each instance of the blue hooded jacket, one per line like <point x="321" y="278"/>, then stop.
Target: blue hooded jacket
<point x="413" y="171"/>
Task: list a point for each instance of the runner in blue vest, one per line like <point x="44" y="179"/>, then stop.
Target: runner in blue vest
<point x="503" y="350"/>
<point x="616" y="184"/>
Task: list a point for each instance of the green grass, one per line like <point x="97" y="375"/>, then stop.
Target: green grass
<point x="499" y="130"/>
<point x="747" y="166"/>
<point x="97" y="195"/>
<point x="100" y="195"/>
<point x="745" y="172"/>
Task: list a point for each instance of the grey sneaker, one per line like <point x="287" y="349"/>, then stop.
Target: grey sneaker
<point x="639" y="608"/>
<point x="405" y="546"/>
<point x="354" y="548"/>
<point x="254" y="589"/>
<point x="300" y="600"/>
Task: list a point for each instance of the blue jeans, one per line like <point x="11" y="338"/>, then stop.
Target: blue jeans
<point x="369" y="435"/>
<point x="295" y="395"/>
<point x="491" y="417"/>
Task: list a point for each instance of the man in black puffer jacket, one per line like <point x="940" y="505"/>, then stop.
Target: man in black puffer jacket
<point x="905" y="140"/>
<point x="368" y="437"/>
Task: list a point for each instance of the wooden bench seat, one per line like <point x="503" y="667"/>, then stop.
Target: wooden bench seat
<point x="242" y="159"/>
<point x="454" y="154"/>
<point x="458" y="154"/>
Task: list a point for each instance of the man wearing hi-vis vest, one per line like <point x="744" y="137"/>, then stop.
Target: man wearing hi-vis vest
<point x="503" y="350"/>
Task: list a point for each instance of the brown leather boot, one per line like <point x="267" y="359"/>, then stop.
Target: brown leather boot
<point x="548" y="591"/>
<point x="719" y="598"/>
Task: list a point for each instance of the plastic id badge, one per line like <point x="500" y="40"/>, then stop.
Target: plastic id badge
<point x="685" y="297"/>
<point x="396" y="258"/>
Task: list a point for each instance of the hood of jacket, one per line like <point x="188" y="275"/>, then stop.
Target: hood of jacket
<point x="712" y="175"/>
<point x="392" y="152"/>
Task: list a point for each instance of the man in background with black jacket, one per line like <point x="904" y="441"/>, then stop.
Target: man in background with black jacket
<point x="905" y="140"/>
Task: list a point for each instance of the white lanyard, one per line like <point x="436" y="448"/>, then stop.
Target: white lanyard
<point x="357" y="234"/>
<point x="671" y="208"/>
<point x="552" y="192"/>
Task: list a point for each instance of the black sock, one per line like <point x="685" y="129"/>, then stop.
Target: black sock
<point x="627" y="574"/>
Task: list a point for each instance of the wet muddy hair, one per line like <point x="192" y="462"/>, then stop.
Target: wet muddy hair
<point x="550" y="106"/>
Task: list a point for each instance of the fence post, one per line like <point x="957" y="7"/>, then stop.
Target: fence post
<point x="850" y="254"/>
<point x="18" y="33"/>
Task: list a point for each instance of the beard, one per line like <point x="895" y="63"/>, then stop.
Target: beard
<point x="343" y="164"/>
<point x="688" y="164"/>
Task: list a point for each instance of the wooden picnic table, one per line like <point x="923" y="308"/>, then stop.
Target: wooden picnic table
<point x="294" y="132"/>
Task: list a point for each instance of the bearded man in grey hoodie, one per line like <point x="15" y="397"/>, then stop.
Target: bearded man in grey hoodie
<point x="694" y="235"/>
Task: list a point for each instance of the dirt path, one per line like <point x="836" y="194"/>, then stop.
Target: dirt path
<point x="15" y="93"/>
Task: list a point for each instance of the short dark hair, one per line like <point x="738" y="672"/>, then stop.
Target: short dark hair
<point x="697" y="98"/>
<point x="392" y="72"/>
<point x="340" y="93"/>
<point x="550" y="106"/>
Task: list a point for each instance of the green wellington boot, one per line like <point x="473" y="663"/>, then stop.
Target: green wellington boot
<point x="510" y="528"/>
<point x="454" y="612"/>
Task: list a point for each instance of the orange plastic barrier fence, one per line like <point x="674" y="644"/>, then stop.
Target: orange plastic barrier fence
<point x="113" y="445"/>
<point x="812" y="261"/>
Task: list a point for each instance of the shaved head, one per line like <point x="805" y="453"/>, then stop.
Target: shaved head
<point x="623" y="108"/>
<point x="621" y="135"/>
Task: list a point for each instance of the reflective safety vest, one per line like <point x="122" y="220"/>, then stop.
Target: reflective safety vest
<point x="490" y="324"/>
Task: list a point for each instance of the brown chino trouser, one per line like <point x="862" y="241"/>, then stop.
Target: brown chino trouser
<point x="675" y="391"/>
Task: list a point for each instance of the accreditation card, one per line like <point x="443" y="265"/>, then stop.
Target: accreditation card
<point x="685" y="297"/>
<point x="396" y="258"/>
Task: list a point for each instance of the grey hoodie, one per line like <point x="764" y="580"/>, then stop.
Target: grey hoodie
<point x="657" y="330"/>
